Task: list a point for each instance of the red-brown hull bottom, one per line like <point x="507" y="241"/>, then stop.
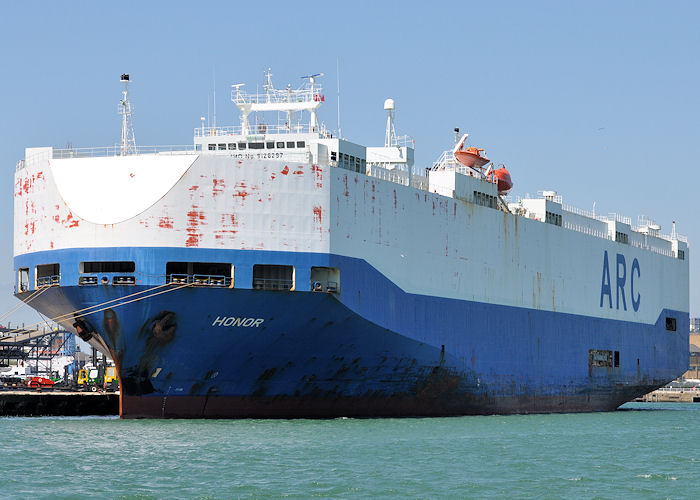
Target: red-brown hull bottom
<point x="308" y="407"/>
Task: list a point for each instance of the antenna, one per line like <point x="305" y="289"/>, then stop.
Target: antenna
<point x="128" y="142"/>
<point x="214" y="98"/>
<point x="337" y="79"/>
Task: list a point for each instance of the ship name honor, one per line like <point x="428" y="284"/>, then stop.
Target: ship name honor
<point x="621" y="281"/>
<point x="238" y="321"/>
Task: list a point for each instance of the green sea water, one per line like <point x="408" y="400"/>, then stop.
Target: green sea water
<point x="645" y="450"/>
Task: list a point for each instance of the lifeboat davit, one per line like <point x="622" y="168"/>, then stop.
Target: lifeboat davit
<point x="501" y="177"/>
<point x="471" y="157"/>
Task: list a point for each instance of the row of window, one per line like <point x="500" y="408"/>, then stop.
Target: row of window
<point x="233" y="146"/>
<point x="485" y="200"/>
<point x="349" y="162"/>
<point x="621" y="237"/>
<point x="265" y="276"/>
<point x="552" y="218"/>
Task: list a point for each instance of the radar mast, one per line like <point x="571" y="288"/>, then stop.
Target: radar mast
<point x="128" y="143"/>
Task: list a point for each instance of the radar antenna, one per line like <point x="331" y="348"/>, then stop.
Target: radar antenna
<point x="128" y="144"/>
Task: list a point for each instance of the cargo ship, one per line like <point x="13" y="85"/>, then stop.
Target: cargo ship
<point x="275" y="269"/>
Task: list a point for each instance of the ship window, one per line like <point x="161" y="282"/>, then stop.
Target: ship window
<point x="256" y="145"/>
<point x="485" y="200"/>
<point x="108" y="267"/>
<point x="301" y="144"/>
<point x="48" y="274"/>
<point x="23" y="279"/>
<point x="200" y="273"/>
<point x="333" y="155"/>
<point x="671" y="324"/>
<point x="681" y="254"/>
<point x="232" y="145"/>
<point x="222" y="147"/>
<point x="273" y="277"/>
<point x="280" y="144"/>
<point x="617" y="359"/>
<point x="621" y="237"/>
<point x="552" y="218"/>
<point x="212" y="147"/>
<point x="325" y="279"/>
<point x="241" y="145"/>
<point x="597" y="357"/>
<point x="270" y="145"/>
<point x="290" y="144"/>
<point x="352" y="160"/>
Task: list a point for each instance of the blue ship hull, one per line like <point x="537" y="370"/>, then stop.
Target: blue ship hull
<point x="372" y="350"/>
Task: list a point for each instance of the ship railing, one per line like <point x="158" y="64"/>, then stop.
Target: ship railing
<point x="579" y="211"/>
<point x="116" y="151"/>
<point x="272" y="284"/>
<point x="199" y="279"/>
<point x="397" y="177"/>
<point x="592" y="215"/>
<point x="670" y="237"/>
<point x="652" y="248"/>
<point x="262" y="129"/>
<point x="556" y="198"/>
<point x="446" y="159"/>
<point x="586" y="230"/>
<point x="604" y="235"/>
<point x="403" y="141"/>
<point x="45" y="281"/>
<point x="619" y="218"/>
<point x="305" y="93"/>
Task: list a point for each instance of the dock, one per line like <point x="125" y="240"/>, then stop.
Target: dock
<point x="33" y="403"/>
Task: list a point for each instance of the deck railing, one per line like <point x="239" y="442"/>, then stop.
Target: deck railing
<point x="48" y="281"/>
<point x="199" y="279"/>
<point x="116" y="151"/>
<point x="262" y="130"/>
<point x="272" y="284"/>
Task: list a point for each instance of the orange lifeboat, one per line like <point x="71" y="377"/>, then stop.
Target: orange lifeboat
<point x="471" y="157"/>
<point x="501" y="177"/>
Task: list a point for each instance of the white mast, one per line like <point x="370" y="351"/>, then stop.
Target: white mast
<point x="128" y="143"/>
<point x="390" y="136"/>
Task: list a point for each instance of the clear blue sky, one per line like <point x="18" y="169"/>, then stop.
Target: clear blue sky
<point x="598" y="100"/>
